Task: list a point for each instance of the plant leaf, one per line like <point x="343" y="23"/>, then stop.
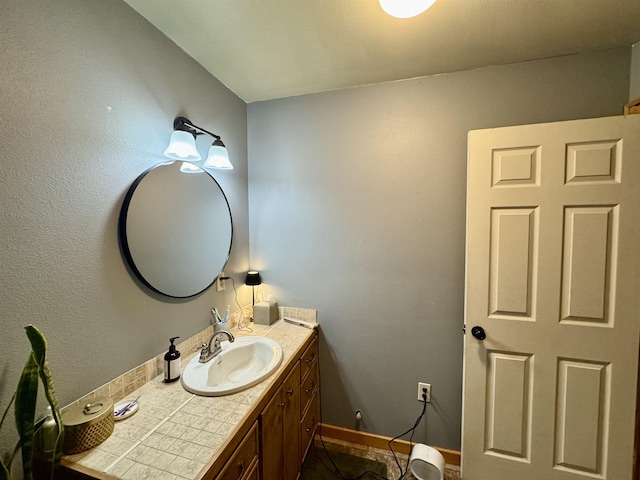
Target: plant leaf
<point x="5" y="474"/>
<point x="25" y="411"/>
<point x="6" y="411"/>
<point x="39" y="346"/>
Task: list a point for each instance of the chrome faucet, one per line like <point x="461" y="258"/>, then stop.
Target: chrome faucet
<point x="213" y="348"/>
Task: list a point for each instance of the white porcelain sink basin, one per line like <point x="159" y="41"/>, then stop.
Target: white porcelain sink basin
<point x="240" y="365"/>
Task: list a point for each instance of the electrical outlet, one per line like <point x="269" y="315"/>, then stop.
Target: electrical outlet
<point x="421" y="388"/>
<point x="220" y="283"/>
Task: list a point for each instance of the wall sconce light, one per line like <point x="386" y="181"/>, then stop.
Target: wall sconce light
<point x="253" y="279"/>
<point x="218" y="156"/>
<point x="182" y="145"/>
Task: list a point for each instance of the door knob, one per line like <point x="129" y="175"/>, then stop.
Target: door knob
<point x="478" y="332"/>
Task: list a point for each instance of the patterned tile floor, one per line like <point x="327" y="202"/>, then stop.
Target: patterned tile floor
<point x="452" y="472"/>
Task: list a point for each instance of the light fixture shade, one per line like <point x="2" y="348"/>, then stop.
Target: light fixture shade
<point x="188" y="167"/>
<point x="253" y="278"/>
<point x="405" y="8"/>
<point x="182" y="146"/>
<point x="218" y="157"/>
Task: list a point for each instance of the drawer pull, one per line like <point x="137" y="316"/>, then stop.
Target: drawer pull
<point x="282" y="404"/>
<point x="313" y="422"/>
<point x="290" y="391"/>
<point x="310" y="359"/>
<point x="309" y="390"/>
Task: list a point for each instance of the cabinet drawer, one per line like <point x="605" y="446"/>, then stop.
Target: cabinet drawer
<point x="253" y="472"/>
<point x="308" y="357"/>
<point x="308" y="426"/>
<point x="308" y="388"/>
<point x="243" y="459"/>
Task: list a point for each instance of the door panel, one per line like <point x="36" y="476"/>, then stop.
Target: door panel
<point x="553" y="277"/>
<point x="594" y="162"/>
<point x="512" y="258"/>
<point x="590" y="244"/>
<point x="508" y="415"/>
<point x="582" y="408"/>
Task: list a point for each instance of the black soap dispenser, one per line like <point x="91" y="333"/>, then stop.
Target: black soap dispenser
<point x="172" y="363"/>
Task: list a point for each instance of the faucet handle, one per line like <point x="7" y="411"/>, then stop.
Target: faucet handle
<point x="204" y="352"/>
<point x="204" y="345"/>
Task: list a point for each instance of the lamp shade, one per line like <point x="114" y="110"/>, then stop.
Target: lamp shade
<point x="218" y="157"/>
<point x="182" y="146"/>
<point x="405" y="8"/>
<point x="188" y="167"/>
<point x="253" y="278"/>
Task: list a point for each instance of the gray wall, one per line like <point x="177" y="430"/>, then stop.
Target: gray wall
<point x="634" y="88"/>
<point x="357" y="208"/>
<point x="88" y="94"/>
<point x="357" y="201"/>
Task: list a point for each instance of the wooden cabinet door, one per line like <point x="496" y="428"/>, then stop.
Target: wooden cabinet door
<point x="281" y="446"/>
<point x="291" y="424"/>
<point x="272" y="439"/>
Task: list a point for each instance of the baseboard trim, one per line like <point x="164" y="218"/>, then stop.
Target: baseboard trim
<point x="452" y="457"/>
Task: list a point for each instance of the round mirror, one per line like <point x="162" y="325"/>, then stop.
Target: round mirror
<point x="175" y="229"/>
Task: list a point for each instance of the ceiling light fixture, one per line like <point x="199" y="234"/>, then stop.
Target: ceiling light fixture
<point x="182" y="145"/>
<point x="405" y="8"/>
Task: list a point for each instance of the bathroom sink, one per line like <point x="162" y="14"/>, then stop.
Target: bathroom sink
<point x="240" y="365"/>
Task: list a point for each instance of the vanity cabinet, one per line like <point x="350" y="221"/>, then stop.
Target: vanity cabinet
<point x="243" y="464"/>
<point x="309" y="397"/>
<point x="280" y="431"/>
<point x="272" y="438"/>
<point x="289" y="421"/>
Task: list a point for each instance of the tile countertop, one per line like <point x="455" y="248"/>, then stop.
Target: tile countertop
<point x="175" y="434"/>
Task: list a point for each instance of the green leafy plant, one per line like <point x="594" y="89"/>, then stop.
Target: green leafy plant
<point x="24" y="400"/>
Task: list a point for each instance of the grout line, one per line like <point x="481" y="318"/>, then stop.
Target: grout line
<point x="127" y="452"/>
<point x="181" y="406"/>
<point x="148" y="434"/>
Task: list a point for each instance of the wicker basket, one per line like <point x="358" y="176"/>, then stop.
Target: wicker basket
<point x="86" y="426"/>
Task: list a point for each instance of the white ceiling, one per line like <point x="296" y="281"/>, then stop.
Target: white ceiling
<point x="265" y="49"/>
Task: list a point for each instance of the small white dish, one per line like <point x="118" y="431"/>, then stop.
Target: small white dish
<point x="123" y="403"/>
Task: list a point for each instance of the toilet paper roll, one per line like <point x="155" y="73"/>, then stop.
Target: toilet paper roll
<point x="426" y="463"/>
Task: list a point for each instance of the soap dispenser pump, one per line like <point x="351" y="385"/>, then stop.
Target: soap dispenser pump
<point x="172" y="363"/>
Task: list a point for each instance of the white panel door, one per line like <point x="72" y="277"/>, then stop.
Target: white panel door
<point x="553" y="286"/>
